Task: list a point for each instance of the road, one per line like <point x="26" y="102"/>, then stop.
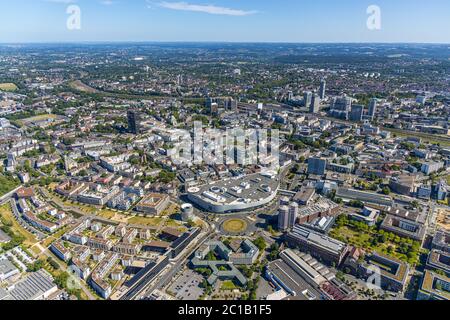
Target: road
<point x="177" y="264"/>
<point x="6" y="197"/>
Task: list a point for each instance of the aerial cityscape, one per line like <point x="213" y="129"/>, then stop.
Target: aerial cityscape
<point x="232" y="171"/>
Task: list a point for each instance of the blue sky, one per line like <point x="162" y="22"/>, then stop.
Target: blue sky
<point x="225" y="20"/>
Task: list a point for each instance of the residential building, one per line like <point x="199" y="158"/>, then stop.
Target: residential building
<point x="317" y="166"/>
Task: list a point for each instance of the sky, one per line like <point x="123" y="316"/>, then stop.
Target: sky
<point x="24" y="21"/>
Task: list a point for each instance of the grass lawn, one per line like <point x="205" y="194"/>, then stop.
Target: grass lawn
<point x="448" y="179"/>
<point x="172" y="209"/>
<point x="35" y="250"/>
<point x="105" y="213"/>
<point x="8" y="86"/>
<point x="228" y="285"/>
<point x="175" y="224"/>
<point x="49" y="240"/>
<point x="41" y="117"/>
<point x="80" y="86"/>
<point x="7" y="184"/>
<point x="352" y="237"/>
<point x="146" y="221"/>
<point x="235" y="225"/>
<point x="6" y="213"/>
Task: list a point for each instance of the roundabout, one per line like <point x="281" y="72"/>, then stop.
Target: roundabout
<point x="235" y="225"/>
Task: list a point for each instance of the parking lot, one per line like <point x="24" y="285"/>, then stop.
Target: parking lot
<point x="186" y="287"/>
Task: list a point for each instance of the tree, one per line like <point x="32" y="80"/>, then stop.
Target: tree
<point x="226" y="242"/>
<point x="274" y="252"/>
<point x="61" y="280"/>
<point x="82" y="173"/>
<point x="260" y="243"/>
<point x="356" y="204"/>
<point x="247" y="272"/>
<point x="36" y="266"/>
<point x="211" y="256"/>
<point x="386" y="190"/>
<point x="53" y="263"/>
<point x="166" y="176"/>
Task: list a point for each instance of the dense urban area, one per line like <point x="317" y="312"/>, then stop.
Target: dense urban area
<point x="354" y="205"/>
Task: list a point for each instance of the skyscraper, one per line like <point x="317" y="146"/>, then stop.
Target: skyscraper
<point x="283" y="218"/>
<point x="317" y="166"/>
<point x="208" y="102"/>
<point x="214" y="109"/>
<point x="133" y="122"/>
<point x="341" y="108"/>
<point x="323" y="88"/>
<point x="356" y="113"/>
<point x="231" y="104"/>
<point x="343" y="104"/>
<point x="290" y="95"/>
<point x="372" y="108"/>
<point x="307" y="97"/>
<point x="293" y="213"/>
<point x="314" y="107"/>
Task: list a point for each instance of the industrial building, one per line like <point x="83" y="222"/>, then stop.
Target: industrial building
<point x="364" y="196"/>
<point x="35" y="286"/>
<point x="304" y="278"/>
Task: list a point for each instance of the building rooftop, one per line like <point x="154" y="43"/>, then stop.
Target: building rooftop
<point x="394" y="224"/>
<point x="33" y="286"/>
<point x="159" y="244"/>
<point x="390" y="267"/>
<point x="236" y="193"/>
<point x="442" y="240"/>
<point x="152" y="200"/>
<point x="228" y="191"/>
<point x="318" y="239"/>
<point x="321" y="224"/>
<point x="439" y="260"/>
<point x="4" y="237"/>
<point x="298" y="287"/>
<point x="435" y="284"/>
<point x="322" y="205"/>
<point x="6" y="267"/>
<point x="25" y="193"/>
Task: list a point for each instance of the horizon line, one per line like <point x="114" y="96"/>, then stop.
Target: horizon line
<point x="213" y="42"/>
